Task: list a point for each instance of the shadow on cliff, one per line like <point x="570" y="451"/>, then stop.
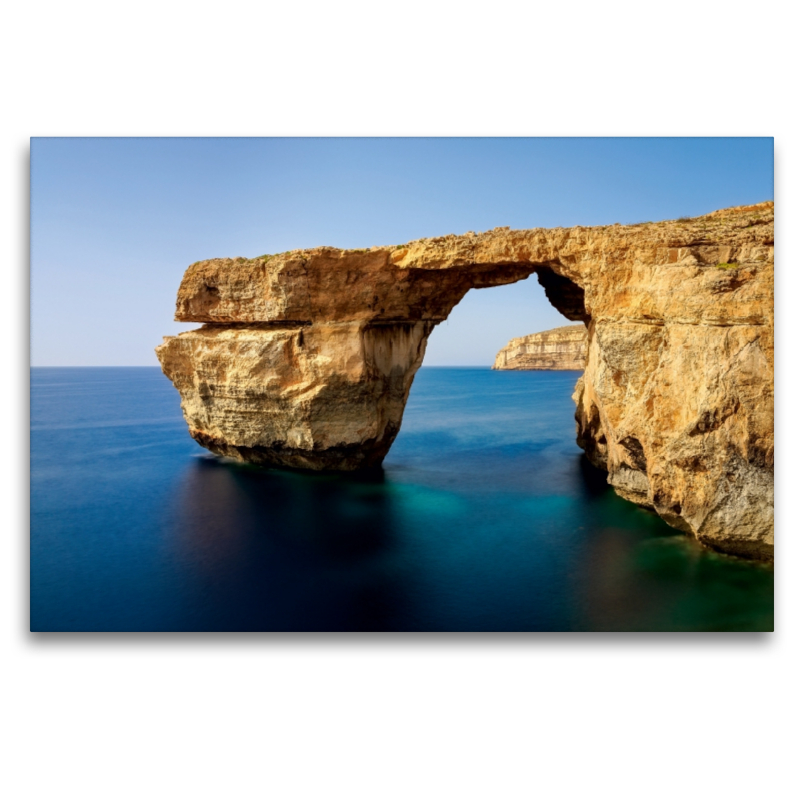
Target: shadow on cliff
<point x="593" y="481"/>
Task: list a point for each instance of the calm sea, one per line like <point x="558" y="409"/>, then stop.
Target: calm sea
<point x="485" y="518"/>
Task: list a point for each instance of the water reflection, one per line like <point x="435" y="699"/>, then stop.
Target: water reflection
<point x="486" y="517"/>
<point x="406" y="550"/>
<point x="271" y="550"/>
<point x="641" y="575"/>
<point x="401" y="550"/>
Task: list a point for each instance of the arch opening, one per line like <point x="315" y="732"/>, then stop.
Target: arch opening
<point x="486" y="319"/>
<point x="306" y="358"/>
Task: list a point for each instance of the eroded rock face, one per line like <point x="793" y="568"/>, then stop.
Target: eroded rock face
<point x="558" y="348"/>
<point x="306" y="358"/>
<point x="324" y="396"/>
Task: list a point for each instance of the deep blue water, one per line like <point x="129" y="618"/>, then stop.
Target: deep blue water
<point x="486" y="518"/>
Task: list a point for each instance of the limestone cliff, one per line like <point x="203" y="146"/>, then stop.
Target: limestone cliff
<point x="306" y="358"/>
<point x="558" y="348"/>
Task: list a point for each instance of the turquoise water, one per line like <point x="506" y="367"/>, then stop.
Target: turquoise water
<point x="485" y="518"/>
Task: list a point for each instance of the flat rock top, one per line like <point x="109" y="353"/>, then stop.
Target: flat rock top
<point x="564" y="332"/>
<point x="420" y="279"/>
<point x="735" y="225"/>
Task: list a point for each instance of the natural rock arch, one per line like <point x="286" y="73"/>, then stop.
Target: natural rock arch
<point x="306" y="358"/>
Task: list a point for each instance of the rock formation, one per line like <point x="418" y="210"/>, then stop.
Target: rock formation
<point x="558" y="348"/>
<point x="306" y="358"/>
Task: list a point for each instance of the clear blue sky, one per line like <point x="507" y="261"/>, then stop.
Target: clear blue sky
<point x="115" y="222"/>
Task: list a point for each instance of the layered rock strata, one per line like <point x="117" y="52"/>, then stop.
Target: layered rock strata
<point x="558" y="348"/>
<point x="306" y="358"/>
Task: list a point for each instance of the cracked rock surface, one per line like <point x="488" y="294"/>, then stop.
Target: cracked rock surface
<point x="305" y="359"/>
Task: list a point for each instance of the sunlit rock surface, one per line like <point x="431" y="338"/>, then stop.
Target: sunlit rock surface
<point x="558" y="348"/>
<point x="306" y="358"/>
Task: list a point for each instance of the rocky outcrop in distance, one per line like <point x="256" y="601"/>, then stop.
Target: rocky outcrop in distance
<point x="558" y="348"/>
<point x="305" y="358"/>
